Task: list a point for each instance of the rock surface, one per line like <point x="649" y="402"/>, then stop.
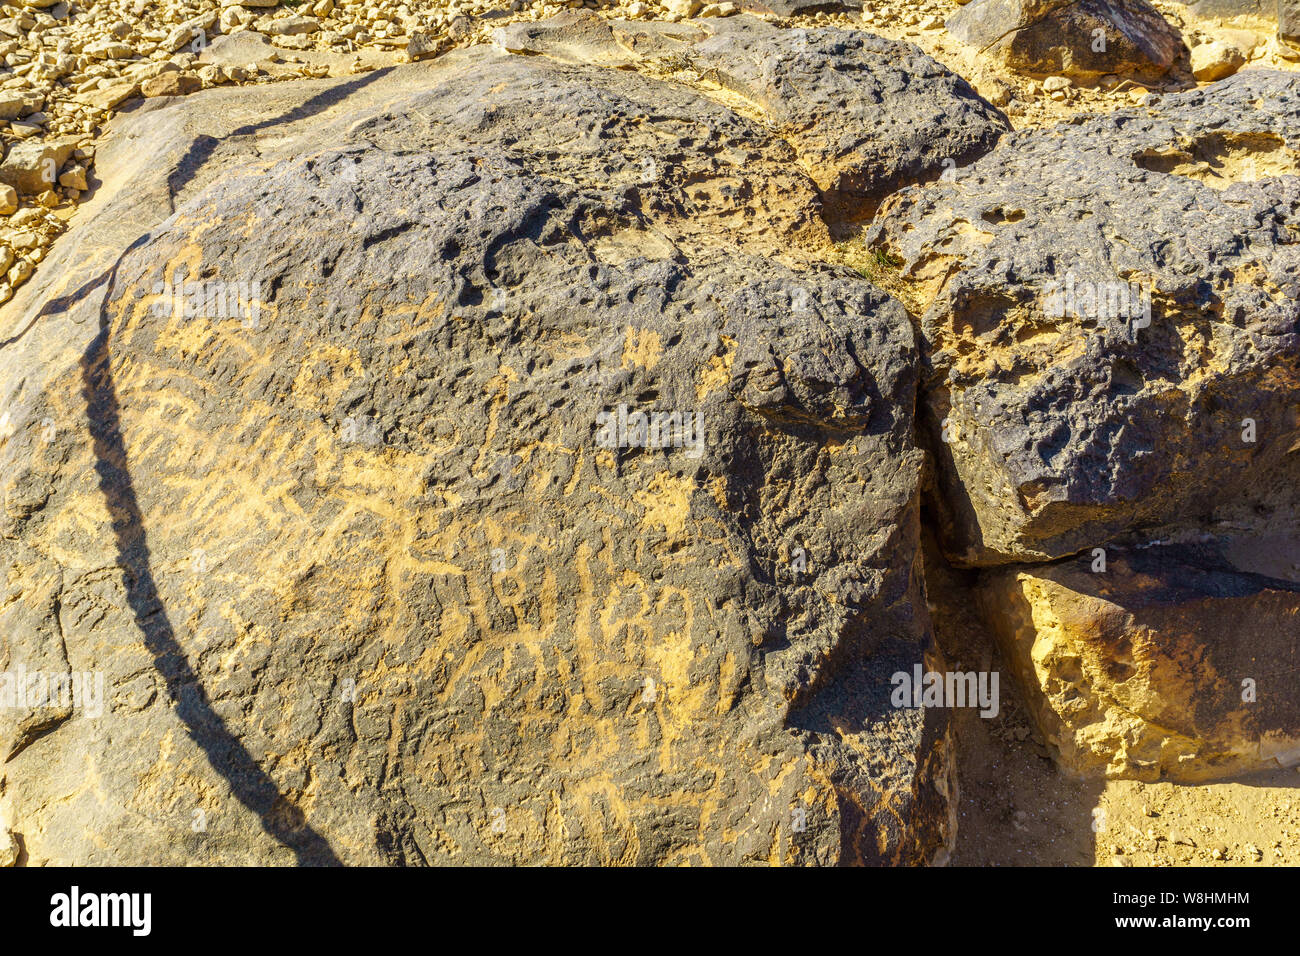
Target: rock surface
<point x="1217" y="59"/>
<point x="1288" y="20"/>
<point x="865" y="115"/>
<point x="33" y="167"/>
<point x="1077" y="38"/>
<point x="363" y="581"/>
<point x="786" y="8"/>
<point x="1171" y="663"/>
<point x="1234" y="8"/>
<point x="1111" y="319"/>
<point x="713" y="171"/>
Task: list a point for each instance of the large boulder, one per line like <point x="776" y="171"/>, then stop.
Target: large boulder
<point x="323" y="452"/>
<point x="865" y="115"/>
<point x="1082" y="39"/>
<point x="1111" y="316"/>
<point x="1166" y="662"/>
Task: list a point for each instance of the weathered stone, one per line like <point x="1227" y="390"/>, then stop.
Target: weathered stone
<point x="293" y="26"/>
<point x="74" y="177"/>
<point x="9" y="848"/>
<point x="29" y="712"/>
<point x="108" y="50"/>
<point x="379" y="593"/>
<point x="32" y="167"/>
<point x="1288" y="20"/>
<point x="788" y="8"/>
<point x="1111" y="319"/>
<point x="14" y="104"/>
<point x="1084" y="39"/>
<point x="1171" y="663"/>
<point x="198" y="29"/>
<point x="240" y="49"/>
<point x="1233" y="8"/>
<point x="422" y="44"/>
<point x="866" y="115"/>
<point x="1216" y="59"/>
<point x="112" y="96"/>
<point x="171" y="83"/>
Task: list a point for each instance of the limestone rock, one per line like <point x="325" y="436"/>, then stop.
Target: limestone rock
<point x="112" y="96"/>
<point x="15" y="103"/>
<point x="1084" y="39"/>
<point x="1171" y="663"/>
<point x="1111" y="318"/>
<point x="1233" y="8"/>
<point x="1216" y="59"/>
<point x="1288" y="20"/>
<point x="240" y="49"/>
<point x="196" y="29"/>
<point x="422" y="44"/>
<point x="107" y="49"/>
<point x="788" y="8"/>
<point x="293" y="26"/>
<point x="74" y="177"/>
<point x="32" y="167"/>
<point x="171" y="83"/>
<point x="364" y="580"/>
<point x="10" y="849"/>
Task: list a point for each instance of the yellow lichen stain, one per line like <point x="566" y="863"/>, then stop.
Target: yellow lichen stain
<point x="324" y="376"/>
<point x="641" y="347"/>
<point x="667" y="503"/>
<point x="717" y="374"/>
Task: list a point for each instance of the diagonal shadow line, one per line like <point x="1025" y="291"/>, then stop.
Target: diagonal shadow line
<point x="204" y="146"/>
<point x="187" y="168"/>
<point x="248" y="782"/>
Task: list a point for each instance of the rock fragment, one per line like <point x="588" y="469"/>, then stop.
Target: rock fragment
<point x="1082" y="40"/>
<point x="171" y="83"/>
<point x="1171" y="664"/>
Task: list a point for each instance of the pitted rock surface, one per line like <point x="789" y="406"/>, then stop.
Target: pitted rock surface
<point x="1084" y="39"/>
<point x="365" y="582"/>
<point x="865" y="115"/>
<point x="1063" y="420"/>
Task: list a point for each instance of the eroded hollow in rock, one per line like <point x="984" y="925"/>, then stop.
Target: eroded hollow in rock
<point x="1222" y="159"/>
